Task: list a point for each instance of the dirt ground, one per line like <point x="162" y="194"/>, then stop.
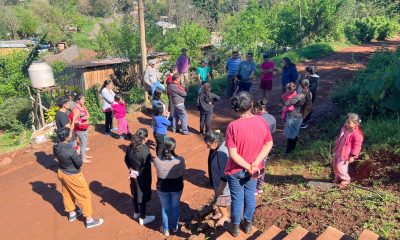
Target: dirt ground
<point x="30" y="198"/>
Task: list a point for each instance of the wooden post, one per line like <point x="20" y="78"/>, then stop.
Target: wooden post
<point x="41" y="109"/>
<point x="143" y="50"/>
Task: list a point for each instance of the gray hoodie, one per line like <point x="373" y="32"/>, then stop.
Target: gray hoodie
<point x="68" y="159"/>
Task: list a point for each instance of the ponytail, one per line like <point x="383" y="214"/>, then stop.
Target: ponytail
<point x="137" y="140"/>
<point x="168" y="151"/>
<point x="105" y="83"/>
<point x="242" y="102"/>
<point x="214" y="136"/>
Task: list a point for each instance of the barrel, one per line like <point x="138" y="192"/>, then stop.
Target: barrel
<point x="41" y="75"/>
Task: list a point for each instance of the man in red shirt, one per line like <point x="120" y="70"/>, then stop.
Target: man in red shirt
<point x="267" y="72"/>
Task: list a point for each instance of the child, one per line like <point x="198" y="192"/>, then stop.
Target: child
<point x="259" y="108"/>
<point x="157" y="99"/>
<point x="160" y="125"/>
<point x="347" y="148"/>
<point x="289" y="94"/>
<point x="205" y="103"/>
<point x="119" y="109"/>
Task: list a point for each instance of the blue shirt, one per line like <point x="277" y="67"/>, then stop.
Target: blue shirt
<point x="289" y="75"/>
<point x="160" y="124"/>
<point x="233" y="65"/>
<point x="246" y="69"/>
<point x="203" y="72"/>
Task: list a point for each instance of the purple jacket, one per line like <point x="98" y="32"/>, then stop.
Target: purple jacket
<point x="182" y="64"/>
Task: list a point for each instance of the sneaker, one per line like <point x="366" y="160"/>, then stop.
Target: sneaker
<point x="304" y="125"/>
<point x="146" y="220"/>
<point x="114" y="129"/>
<point x="186" y="133"/>
<point x="94" y="223"/>
<point x="259" y="191"/>
<point x="247" y="226"/>
<point x="87" y="149"/>
<point x="164" y="231"/>
<point x="77" y="214"/>
<point x="136" y="215"/>
<point x="175" y="229"/>
<point x="233" y="229"/>
<point x="107" y="133"/>
<point x="85" y="160"/>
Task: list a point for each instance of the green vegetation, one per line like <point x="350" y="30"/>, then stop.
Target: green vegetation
<point x="12" y="141"/>
<point x="93" y="105"/>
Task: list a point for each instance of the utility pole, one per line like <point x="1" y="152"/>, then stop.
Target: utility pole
<point x="143" y="50"/>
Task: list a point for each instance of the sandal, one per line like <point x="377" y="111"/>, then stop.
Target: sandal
<point x="222" y="222"/>
<point x="216" y="216"/>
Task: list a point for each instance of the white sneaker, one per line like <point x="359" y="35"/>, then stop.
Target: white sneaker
<point x="87" y="149"/>
<point x="136" y="215"/>
<point x="146" y="220"/>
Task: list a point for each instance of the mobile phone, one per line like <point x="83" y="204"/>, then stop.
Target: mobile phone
<point x="258" y="173"/>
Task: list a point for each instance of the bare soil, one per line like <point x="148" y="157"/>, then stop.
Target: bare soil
<point x="30" y="193"/>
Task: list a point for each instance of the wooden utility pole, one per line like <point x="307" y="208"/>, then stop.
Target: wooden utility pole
<point x="143" y="49"/>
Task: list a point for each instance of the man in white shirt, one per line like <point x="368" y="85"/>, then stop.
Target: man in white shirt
<point x="151" y="76"/>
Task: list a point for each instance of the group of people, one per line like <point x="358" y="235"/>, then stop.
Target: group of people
<point x="236" y="160"/>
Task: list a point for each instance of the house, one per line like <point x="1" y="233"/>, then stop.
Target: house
<point x="86" y="74"/>
<point x="8" y="48"/>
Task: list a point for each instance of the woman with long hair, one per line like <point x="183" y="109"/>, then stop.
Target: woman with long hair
<point x="205" y="103"/>
<point x="249" y="142"/>
<point x="289" y="73"/>
<point x="170" y="168"/>
<point x="80" y="120"/>
<point x="138" y="161"/>
<point x="107" y="96"/>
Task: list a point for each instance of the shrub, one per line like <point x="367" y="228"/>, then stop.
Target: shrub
<point x="93" y="104"/>
<point x="15" y="114"/>
<point x="50" y="115"/>
<point x="135" y="96"/>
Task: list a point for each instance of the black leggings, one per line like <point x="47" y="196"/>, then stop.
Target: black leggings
<point x="137" y="207"/>
<point x="108" y="123"/>
<point x="205" y="119"/>
<point x="159" y="143"/>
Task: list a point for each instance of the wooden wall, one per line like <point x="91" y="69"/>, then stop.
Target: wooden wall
<point x="6" y="51"/>
<point x="96" y="76"/>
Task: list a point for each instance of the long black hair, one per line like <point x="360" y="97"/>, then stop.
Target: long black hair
<point x="105" y="83"/>
<point x="242" y="102"/>
<point x="168" y="151"/>
<point x="62" y="134"/>
<point x="288" y="62"/>
<point x="78" y="97"/>
<point x="158" y="109"/>
<point x="137" y="140"/>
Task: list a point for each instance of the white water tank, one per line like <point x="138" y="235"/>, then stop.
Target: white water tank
<point x="41" y="75"/>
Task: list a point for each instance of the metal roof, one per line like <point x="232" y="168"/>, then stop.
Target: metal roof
<point x="21" y="41"/>
<point x="98" y="63"/>
<point x="12" y="45"/>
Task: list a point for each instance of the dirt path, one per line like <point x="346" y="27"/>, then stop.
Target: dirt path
<point x="31" y="203"/>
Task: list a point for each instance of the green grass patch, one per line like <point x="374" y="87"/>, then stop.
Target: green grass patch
<point x="13" y="141"/>
<point x="81" y="38"/>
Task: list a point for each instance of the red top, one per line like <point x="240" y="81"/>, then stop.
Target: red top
<point x="119" y="109"/>
<point x="266" y="66"/>
<point x="348" y="143"/>
<point x="80" y="124"/>
<point x="247" y="135"/>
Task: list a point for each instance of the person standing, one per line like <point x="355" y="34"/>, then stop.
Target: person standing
<point x="205" y="103"/>
<point x="138" y="161"/>
<point x="74" y="186"/>
<point x="152" y="76"/>
<point x="80" y="118"/>
<point x="232" y="66"/>
<point x="182" y="66"/>
<point x="119" y="110"/>
<point x="289" y="73"/>
<point x="62" y="119"/>
<point x="249" y="142"/>
<point x="107" y="97"/>
<point x="217" y="161"/>
<point x="160" y="125"/>
<point x="178" y="94"/>
<point x="347" y="148"/>
<point x="170" y="169"/>
<point x="246" y="70"/>
<point x="267" y="73"/>
<point x="70" y="95"/>
<point x="203" y="72"/>
<point x="294" y="118"/>
<point x="313" y="77"/>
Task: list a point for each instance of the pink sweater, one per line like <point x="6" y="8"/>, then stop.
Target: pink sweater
<point x="287" y="96"/>
<point x="119" y="109"/>
<point x="352" y="144"/>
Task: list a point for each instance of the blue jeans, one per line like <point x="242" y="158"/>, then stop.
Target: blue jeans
<point x="244" y="86"/>
<point x="180" y="114"/>
<point x="242" y="187"/>
<point x="170" y="202"/>
<point x="155" y="85"/>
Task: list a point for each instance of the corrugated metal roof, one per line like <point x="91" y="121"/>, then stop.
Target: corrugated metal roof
<point x="98" y="63"/>
<point x="22" y="41"/>
<point x="12" y="45"/>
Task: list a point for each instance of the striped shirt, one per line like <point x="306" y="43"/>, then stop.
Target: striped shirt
<point x="232" y="65"/>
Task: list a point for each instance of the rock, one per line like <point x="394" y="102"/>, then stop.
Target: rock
<point x="5" y="161"/>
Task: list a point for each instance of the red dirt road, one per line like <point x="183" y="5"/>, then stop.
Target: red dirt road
<point x="30" y="198"/>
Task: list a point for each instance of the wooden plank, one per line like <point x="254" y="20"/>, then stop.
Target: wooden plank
<point x="300" y="233"/>
<point x="368" y="235"/>
<point x="273" y="233"/>
<point x="331" y="233"/>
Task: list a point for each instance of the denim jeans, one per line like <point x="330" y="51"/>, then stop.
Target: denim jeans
<point x="180" y="114"/>
<point x="242" y="187"/>
<point x="155" y="85"/>
<point x="83" y="138"/>
<point x="231" y="85"/>
<point x="170" y="202"/>
<point x="244" y="86"/>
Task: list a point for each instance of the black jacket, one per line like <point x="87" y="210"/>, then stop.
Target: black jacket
<point x="205" y="101"/>
<point x="141" y="162"/>
<point x="68" y="159"/>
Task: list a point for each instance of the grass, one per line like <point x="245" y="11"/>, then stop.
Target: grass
<point x="81" y="38"/>
<point x="12" y="141"/>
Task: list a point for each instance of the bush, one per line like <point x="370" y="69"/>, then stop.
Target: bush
<point x="93" y="104"/>
<point x="135" y="96"/>
<point x="15" y="114"/>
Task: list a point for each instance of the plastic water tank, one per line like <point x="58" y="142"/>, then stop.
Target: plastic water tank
<point x="41" y="75"/>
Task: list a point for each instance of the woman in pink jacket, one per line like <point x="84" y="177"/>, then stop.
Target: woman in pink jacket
<point x="347" y="148"/>
<point x="119" y="109"/>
